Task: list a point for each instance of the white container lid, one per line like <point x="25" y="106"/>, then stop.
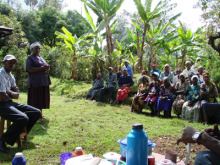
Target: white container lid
<point x="18" y="155"/>
<point x="78" y="149"/>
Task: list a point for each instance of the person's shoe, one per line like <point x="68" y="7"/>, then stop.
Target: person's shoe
<point x="3" y="147"/>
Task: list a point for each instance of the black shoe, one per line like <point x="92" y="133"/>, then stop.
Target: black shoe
<point x="3" y="147"/>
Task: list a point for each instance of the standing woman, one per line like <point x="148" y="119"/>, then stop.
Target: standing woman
<point x="38" y="79"/>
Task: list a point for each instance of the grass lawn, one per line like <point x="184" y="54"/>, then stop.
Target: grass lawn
<point x="73" y="121"/>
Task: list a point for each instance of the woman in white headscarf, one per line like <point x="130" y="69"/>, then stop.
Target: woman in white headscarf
<point x="191" y="108"/>
<point x="38" y="79"/>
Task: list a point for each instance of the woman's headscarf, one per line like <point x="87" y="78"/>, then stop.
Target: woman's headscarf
<point x="144" y="77"/>
<point x="194" y="76"/>
<point x="206" y="74"/>
<point x="35" y="44"/>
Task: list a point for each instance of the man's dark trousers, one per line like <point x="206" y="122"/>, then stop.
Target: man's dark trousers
<point x="21" y="115"/>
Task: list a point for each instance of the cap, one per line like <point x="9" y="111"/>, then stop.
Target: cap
<point x="110" y="68"/>
<point x="9" y="57"/>
<point x="18" y="155"/>
<point x="188" y="62"/>
<point x="156" y="73"/>
<point x="137" y="126"/>
<point x="126" y="61"/>
<point x="154" y="65"/>
<point x="195" y="76"/>
<point x="182" y="74"/>
<point x="198" y="58"/>
<point x="78" y="149"/>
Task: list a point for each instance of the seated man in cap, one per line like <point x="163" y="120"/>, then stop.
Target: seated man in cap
<point x="188" y="69"/>
<point x="167" y="73"/>
<point x="20" y="114"/>
<point x="128" y="67"/>
<point x="154" y="69"/>
<point x="111" y="84"/>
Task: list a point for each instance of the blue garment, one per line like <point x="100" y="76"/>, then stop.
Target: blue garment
<point x="194" y="92"/>
<point x="206" y="158"/>
<point x="125" y="80"/>
<point x="129" y="68"/>
<point x="152" y="71"/>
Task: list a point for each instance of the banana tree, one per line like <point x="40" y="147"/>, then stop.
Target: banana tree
<point x="74" y="44"/>
<point x="146" y="16"/>
<point x="189" y="42"/>
<point x="105" y="10"/>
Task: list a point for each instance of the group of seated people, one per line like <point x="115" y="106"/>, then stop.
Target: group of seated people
<point x="189" y="93"/>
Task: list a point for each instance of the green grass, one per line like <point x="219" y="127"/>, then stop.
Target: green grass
<point x="78" y="122"/>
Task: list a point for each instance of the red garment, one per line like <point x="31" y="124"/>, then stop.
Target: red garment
<point x="123" y="93"/>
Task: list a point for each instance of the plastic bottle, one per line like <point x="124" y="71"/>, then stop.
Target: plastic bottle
<point x="19" y="159"/>
<point x="137" y="142"/>
<point x="78" y="151"/>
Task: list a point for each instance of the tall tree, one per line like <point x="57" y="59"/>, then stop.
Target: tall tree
<point x="30" y="25"/>
<point x="105" y="10"/>
<point x="211" y="14"/>
<point x="31" y="3"/>
<point x="76" y="23"/>
<point x="57" y="4"/>
<point x="51" y="21"/>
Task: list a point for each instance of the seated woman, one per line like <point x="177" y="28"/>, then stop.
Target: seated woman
<point x="143" y="73"/>
<point x="153" y="93"/>
<point x="191" y="108"/>
<point x="181" y="92"/>
<point x="97" y="85"/>
<point x="125" y="82"/>
<point x="209" y="104"/>
<point x="138" y="102"/>
<point x="165" y="100"/>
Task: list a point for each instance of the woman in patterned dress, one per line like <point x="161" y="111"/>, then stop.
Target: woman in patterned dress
<point x="181" y="92"/>
<point x="191" y="108"/>
<point x="138" y="102"/>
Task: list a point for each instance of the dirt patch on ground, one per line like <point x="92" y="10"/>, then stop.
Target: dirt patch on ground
<point x="169" y="143"/>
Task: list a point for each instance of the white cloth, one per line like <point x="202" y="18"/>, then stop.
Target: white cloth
<point x="186" y="72"/>
<point x="191" y="113"/>
<point x="87" y="160"/>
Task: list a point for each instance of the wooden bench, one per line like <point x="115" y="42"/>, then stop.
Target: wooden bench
<point x="23" y="133"/>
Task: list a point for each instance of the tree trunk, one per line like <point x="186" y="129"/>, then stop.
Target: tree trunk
<point x="74" y="72"/>
<point x="152" y="56"/>
<point x="183" y="58"/>
<point x="139" y="53"/>
<point x="110" y="45"/>
<point x="176" y="60"/>
<point x="142" y="49"/>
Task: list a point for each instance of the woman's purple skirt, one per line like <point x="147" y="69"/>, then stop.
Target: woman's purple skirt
<point x="164" y="105"/>
<point x="39" y="97"/>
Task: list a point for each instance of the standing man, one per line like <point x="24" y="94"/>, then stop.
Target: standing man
<point x="111" y="84"/>
<point x="128" y="67"/>
<point x="20" y="114"/>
